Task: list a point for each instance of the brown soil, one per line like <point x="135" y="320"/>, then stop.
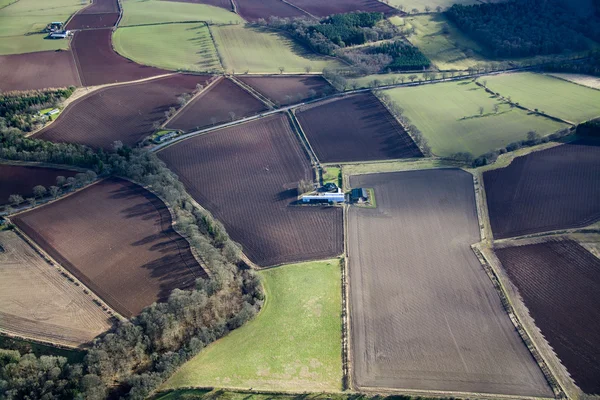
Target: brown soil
<point x="288" y="89"/>
<point x="226" y="4"/>
<point x="41" y="70"/>
<point x="247" y="177"/>
<point x="16" y="179"/>
<point x="322" y="8"/>
<point x="92" y="21"/>
<point x="252" y="10"/>
<point x="115" y="237"/>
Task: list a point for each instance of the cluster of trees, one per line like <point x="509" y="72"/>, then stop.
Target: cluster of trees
<point x="591" y="66"/>
<point x="138" y="355"/>
<point x="520" y="28"/>
<point x="589" y="129"/>
<point x="18" y="109"/>
<point x="405" y="57"/>
<point x="412" y="130"/>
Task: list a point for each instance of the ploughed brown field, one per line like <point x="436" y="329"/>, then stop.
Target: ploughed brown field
<point x="124" y="112"/>
<point x="226" y="4"/>
<point x="288" y="89"/>
<point x="425" y="316"/>
<point x="98" y="63"/>
<point x="247" y="176"/>
<point x="322" y="8"/>
<point x="547" y="190"/>
<point x="17" y="179"/>
<point x="356" y="128"/>
<point x="116" y="237"/>
<point x="252" y="10"/>
<point x="559" y="282"/>
<point x="40" y="70"/>
<point x="101" y="6"/>
<point x="214" y="106"/>
<point x="91" y="21"/>
<point x="39" y="303"/>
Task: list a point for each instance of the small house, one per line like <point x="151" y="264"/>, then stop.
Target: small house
<point x="359" y="195"/>
<point x="166" y="136"/>
<point x="53" y="112"/>
<point x="329" y="187"/>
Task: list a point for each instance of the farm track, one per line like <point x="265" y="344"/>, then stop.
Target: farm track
<point x="543" y="271"/>
<point x="130" y="267"/>
<point x="425" y="316"/>
<point x="246" y="176"/>
<point x="543" y="191"/>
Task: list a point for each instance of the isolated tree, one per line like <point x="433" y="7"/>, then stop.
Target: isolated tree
<point x="54" y="191"/>
<point x="60" y="181"/>
<point x="91" y="176"/>
<point x="415" y="10"/>
<point x="305" y="186"/>
<point x="402" y="78"/>
<point x="312" y="93"/>
<point x="308" y="69"/>
<point x="354" y="85"/>
<point x="496" y="108"/>
<point x="533" y="136"/>
<point x="281" y="69"/>
<point x="117" y="145"/>
<point x="213" y="120"/>
<point x="39" y="191"/>
<point x="156" y="125"/>
<point x="15" y="199"/>
<point x="232" y="115"/>
<point x="199" y="87"/>
<point x="481" y="109"/>
<point x="427" y="9"/>
<point x="438" y="9"/>
<point x="484" y="83"/>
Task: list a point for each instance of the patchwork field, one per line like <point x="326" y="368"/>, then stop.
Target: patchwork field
<point x="21" y="180"/>
<point x="256" y="50"/>
<point x="288" y="89"/>
<point x="215" y="105"/>
<point x="425" y="315"/>
<point x="449" y="117"/>
<point x="98" y="63"/>
<point x="294" y="342"/>
<point x="21" y="20"/>
<point x="320" y="8"/>
<point x="570" y="323"/>
<point x="226" y="4"/>
<point x="136" y="12"/>
<point x="554" y="96"/>
<point x="451" y="50"/>
<point x="247" y="176"/>
<point x="252" y="10"/>
<point x="356" y="128"/>
<point x="47" y="69"/>
<point x="116" y="237"/>
<point x="126" y="112"/>
<point x="101" y="6"/>
<point x="186" y="47"/>
<point x="93" y="21"/>
<point x="37" y="302"/>
<point x="547" y="190"/>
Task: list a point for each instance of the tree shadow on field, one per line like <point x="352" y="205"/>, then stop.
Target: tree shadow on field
<point x="292" y="45"/>
<point x="286" y="194"/>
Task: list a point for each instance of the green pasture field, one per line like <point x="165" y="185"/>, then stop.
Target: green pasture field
<point x="258" y="50"/>
<point x="184" y="46"/>
<point x="554" y="96"/>
<point x="20" y="21"/>
<point x="420" y="5"/>
<point x="331" y="174"/>
<point x="448" y="51"/>
<point x="448" y="115"/>
<point x="293" y="344"/>
<point x="139" y="12"/>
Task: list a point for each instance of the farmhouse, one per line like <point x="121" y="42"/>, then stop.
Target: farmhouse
<point x="165" y="137"/>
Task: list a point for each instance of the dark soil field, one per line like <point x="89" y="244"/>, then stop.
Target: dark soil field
<point x="41" y="70"/>
<point x="99" y="64"/>
<point x="547" y="190"/>
<point x="247" y="176"/>
<point x="101" y="6"/>
<point x="559" y="282"/>
<point x="214" y="106"/>
<point x="90" y="21"/>
<point x="226" y="4"/>
<point x="288" y="89"/>
<point x="425" y="315"/>
<point x="21" y="180"/>
<point x="252" y="10"/>
<point x="124" y="112"/>
<point x="322" y="8"/>
<point x="356" y="128"/>
<point x="116" y="237"/>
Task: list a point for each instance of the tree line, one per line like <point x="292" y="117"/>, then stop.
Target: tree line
<point x="521" y="28"/>
<point x="590" y="66"/>
<point x="138" y="355"/>
<point x="18" y="109"/>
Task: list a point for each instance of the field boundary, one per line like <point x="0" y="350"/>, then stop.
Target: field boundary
<point x="346" y="310"/>
<point x="485" y="228"/>
<point x="445" y="395"/>
<point x="299" y="9"/>
<point x="252" y="91"/>
<point x="304" y="141"/>
<point x="552" y="74"/>
<point x="532" y="337"/>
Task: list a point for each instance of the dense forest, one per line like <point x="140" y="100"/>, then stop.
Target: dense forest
<point x="138" y="355"/>
<point x="18" y="109"/>
<point x="522" y="28"/>
<point x="405" y="56"/>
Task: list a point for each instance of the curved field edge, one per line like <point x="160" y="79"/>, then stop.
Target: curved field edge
<point x="293" y="344"/>
<point x="144" y="12"/>
<point x="177" y="46"/>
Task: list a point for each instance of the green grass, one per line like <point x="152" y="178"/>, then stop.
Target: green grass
<point x="421" y="4"/>
<point x="258" y="50"/>
<point x="554" y="96"/>
<point x="448" y="115"/>
<point x="331" y="174"/>
<point x="293" y="344"/>
<point x="448" y="51"/>
<point x="138" y="12"/>
<point x="186" y="47"/>
<point x="18" y="21"/>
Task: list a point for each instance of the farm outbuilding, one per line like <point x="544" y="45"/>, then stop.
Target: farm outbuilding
<point x="338" y="197"/>
<point x="359" y="194"/>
